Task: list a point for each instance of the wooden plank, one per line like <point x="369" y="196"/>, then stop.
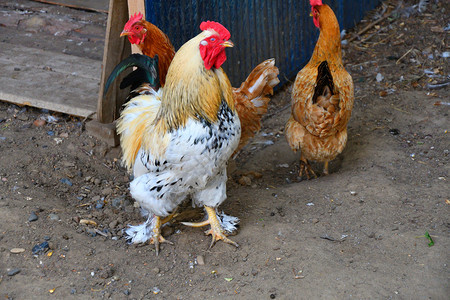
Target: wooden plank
<point x="50" y="80"/>
<point x="96" y="5"/>
<point x="116" y="49"/>
<point x="135" y="6"/>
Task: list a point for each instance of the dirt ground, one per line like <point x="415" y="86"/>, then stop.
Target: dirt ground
<point x="357" y="233"/>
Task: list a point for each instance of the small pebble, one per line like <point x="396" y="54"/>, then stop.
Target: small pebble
<point x="113" y="224"/>
<point x="41" y="248"/>
<point x="91" y="232"/>
<point x="315" y="221"/>
<point x="272" y="296"/>
<point x="99" y="205"/>
<point x="353" y="193"/>
<point x="117" y="202"/>
<point x="107" y="191"/>
<point x="156" y="270"/>
<point x="33" y="217"/>
<point x="51" y="133"/>
<point x="17" y="250"/>
<point x="394" y="131"/>
<point x="127" y="292"/>
<point x="73" y="291"/>
<point x="13" y="272"/>
<point x="200" y="260"/>
<point x="53" y="217"/>
<point x="39" y="123"/>
<point x="66" y="181"/>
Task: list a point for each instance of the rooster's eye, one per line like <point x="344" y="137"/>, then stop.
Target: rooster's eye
<point x="213" y="39"/>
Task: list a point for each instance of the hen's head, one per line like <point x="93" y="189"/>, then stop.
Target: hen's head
<point x="315" y="4"/>
<point x="212" y="48"/>
<point x="135" y="29"/>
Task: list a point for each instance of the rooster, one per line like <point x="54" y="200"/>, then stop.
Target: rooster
<point x="151" y="41"/>
<point x="179" y="138"/>
<point x="251" y="98"/>
<point x="322" y="97"/>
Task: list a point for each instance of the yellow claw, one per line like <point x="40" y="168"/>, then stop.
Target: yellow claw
<point x="216" y="230"/>
<point x="157" y="238"/>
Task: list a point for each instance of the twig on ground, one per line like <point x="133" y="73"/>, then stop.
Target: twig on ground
<point x="368" y="27"/>
<point x="403" y="56"/>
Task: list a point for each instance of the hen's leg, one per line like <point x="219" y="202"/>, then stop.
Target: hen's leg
<point x="306" y="167"/>
<point x="325" y="168"/>
<point x="157" y="238"/>
<point x="216" y="230"/>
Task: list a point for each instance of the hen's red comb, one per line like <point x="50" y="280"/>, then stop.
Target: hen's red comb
<point x="133" y="19"/>
<point x="315" y="2"/>
<point x="219" y="28"/>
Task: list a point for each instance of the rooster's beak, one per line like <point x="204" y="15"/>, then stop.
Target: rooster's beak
<point x="311" y="15"/>
<point x="228" y="44"/>
<point x="124" y="33"/>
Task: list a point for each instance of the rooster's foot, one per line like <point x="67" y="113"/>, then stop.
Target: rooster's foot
<point x="157" y="238"/>
<point x="216" y="230"/>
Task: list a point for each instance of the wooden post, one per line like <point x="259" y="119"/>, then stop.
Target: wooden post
<point x="116" y="49"/>
<point x="135" y="6"/>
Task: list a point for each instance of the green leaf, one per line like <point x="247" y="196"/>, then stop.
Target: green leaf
<point x="228" y="279"/>
<point x="427" y="235"/>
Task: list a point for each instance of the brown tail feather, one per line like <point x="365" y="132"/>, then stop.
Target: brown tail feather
<point x="252" y="98"/>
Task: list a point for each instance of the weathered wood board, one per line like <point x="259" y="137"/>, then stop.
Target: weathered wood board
<point x="96" y="5"/>
<point x="54" y="81"/>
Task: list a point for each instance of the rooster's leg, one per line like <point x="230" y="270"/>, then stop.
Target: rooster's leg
<point x="169" y="217"/>
<point x="157" y="237"/>
<point x="305" y="166"/>
<point x="325" y="168"/>
<point x="216" y="230"/>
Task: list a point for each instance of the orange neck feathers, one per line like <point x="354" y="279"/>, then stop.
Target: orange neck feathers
<point x="157" y="42"/>
<point x="329" y="44"/>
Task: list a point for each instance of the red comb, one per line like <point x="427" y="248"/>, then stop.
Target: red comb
<point x="133" y="19"/>
<point x="315" y="2"/>
<point x="219" y="28"/>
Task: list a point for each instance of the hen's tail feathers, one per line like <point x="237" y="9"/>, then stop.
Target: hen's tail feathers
<point x="146" y="72"/>
<point x="139" y="113"/>
<point x="252" y="98"/>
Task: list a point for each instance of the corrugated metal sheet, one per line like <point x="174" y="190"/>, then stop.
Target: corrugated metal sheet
<point x="260" y="29"/>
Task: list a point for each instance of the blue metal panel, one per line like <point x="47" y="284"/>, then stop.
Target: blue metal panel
<point x="260" y="29"/>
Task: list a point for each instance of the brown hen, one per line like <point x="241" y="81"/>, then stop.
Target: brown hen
<point x="322" y="97"/>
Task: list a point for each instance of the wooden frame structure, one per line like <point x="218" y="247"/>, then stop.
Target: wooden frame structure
<point x="116" y="49"/>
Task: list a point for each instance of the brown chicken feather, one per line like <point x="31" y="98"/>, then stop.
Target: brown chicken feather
<point x="322" y="98"/>
<point x="252" y="98"/>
